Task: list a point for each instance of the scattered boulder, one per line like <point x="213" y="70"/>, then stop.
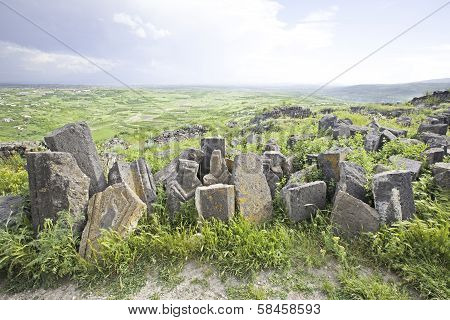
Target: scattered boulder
<point x="434" y="140"/>
<point x="279" y="164"/>
<point x="7" y="149"/>
<point x="288" y="111"/>
<point x="253" y="138"/>
<point x="407" y="164"/>
<point x="169" y="172"/>
<point x="208" y="145"/>
<point x="76" y="139"/>
<point x="441" y="173"/>
<point x="404" y="121"/>
<point x="186" y="132"/>
<point x="440" y="129"/>
<point x="182" y="188"/>
<point x="328" y="121"/>
<point x="215" y="201"/>
<point x="341" y="131"/>
<point x="117" y="208"/>
<point x="253" y="197"/>
<point x="302" y="201"/>
<point x="372" y="141"/>
<point x="388" y="135"/>
<point x="10" y="210"/>
<point x="272" y="145"/>
<point x="381" y="168"/>
<point x="393" y="195"/>
<point x="218" y="170"/>
<point x="434" y="155"/>
<point x="138" y="176"/>
<point x="352" y="216"/>
<point x="56" y="183"/>
<point x="396" y="132"/>
<point x="329" y="161"/>
<point x="352" y="180"/>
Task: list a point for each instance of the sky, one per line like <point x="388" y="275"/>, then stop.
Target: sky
<point x="227" y="42"/>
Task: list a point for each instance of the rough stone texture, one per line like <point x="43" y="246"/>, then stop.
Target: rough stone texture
<point x="169" y="173"/>
<point x="271" y="177"/>
<point x="182" y="188"/>
<point x="76" y="139"/>
<point x="328" y="121"/>
<point x="441" y="173"/>
<point x="10" y="209"/>
<point x="404" y="121"/>
<point x="253" y="197"/>
<point x="328" y="162"/>
<point x="388" y="135"/>
<point x="440" y="129"/>
<point x="278" y="163"/>
<point x="393" y="195"/>
<point x="434" y="155"/>
<point x="302" y="201"/>
<point x="216" y="201"/>
<point x="352" y="180"/>
<point x="358" y="129"/>
<point x="56" y="183"/>
<point x="138" y="176"/>
<point x="292" y="141"/>
<point x="253" y="138"/>
<point x="351" y="216"/>
<point x="372" y="141"/>
<point x="208" y="145"/>
<point x="435" y="140"/>
<point x="8" y="149"/>
<point x="396" y="132"/>
<point x="341" y="131"/>
<point x="218" y="170"/>
<point x="117" y="208"/>
<point x="406" y="164"/>
<point x="272" y="145"/>
<point x="409" y="141"/>
<point x="381" y="168"/>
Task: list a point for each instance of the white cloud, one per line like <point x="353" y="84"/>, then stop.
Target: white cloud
<point x="139" y="27"/>
<point x="31" y="59"/>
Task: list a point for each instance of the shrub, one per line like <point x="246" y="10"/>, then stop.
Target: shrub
<point x="13" y="176"/>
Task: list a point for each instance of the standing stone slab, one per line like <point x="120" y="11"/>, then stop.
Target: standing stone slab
<point x="138" y="176"/>
<point x="329" y="161"/>
<point x="182" y="188"/>
<point x="393" y="195"/>
<point x="208" y="145"/>
<point x="117" y="208"/>
<point x="76" y="139"/>
<point x="406" y="164"/>
<point x="216" y="201"/>
<point x="352" y="180"/>
<point x="372" y="140"/>
<point x="253" y="197"/>
<point x="441" y="173"/>
<point x="351" y="216"/>
<point x="10" y="209"/>
<point x="302" y="201"/>
<point x="56" y="183"/>
<point x="271" y="177"/>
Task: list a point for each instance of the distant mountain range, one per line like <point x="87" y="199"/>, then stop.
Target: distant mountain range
<point x="385" y="92"/>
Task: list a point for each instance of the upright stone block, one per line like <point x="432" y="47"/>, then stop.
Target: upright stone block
<point x="76" y="139"/>
<point x="218" y="170"/>
<point x="253" y="197"/>
<point x="117" y="208"/>
<point x="56" y="183"/>
<point x="329" y="161"/>
<point x="393" y="195"/>
<point x="215" y="201"/>
<point x="208" y="145"/>
<point x="302" y="201"/>
<point x="352" y="180"/>
<point x="169" y="172"/>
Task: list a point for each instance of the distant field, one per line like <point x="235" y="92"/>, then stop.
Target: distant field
<point x="28" y="114"/>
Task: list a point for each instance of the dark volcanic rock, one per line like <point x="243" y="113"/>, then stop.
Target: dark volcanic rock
<point x="441" y="173"/>
<point x="351" y="216"/>
<point x="434" y="140"/>
<point x="56" y="184"/>
<point x="352" y="180"/>
<point x="215" y="201"/>
<point x="434" y="155"/>
<point x="393" y="195"/>
<point x="302" y="201"/>
<point x="208" y="145"/>
<point x="440" y="129"/>
<point x="406" y="164"/>
<point x="328" y="121"/>
<point x="186" y="132"/>
<point x="8" y="149"/>
<point x="291" y="112"/>
<point x="169" y="172"/>
<point x="76" y="139"/>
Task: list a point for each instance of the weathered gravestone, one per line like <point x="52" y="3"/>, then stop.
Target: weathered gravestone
<point x="117" y="208"/>
<point x="351" y="216"/>
<point x="138" y="176"/>
<point x="215" y="201"/>
<point x="218" y="172"/>
<point x="182" y="188"/>
<point x="76" y="139"/>
<point x="303" y="200"/>
<point x="393" y="195"/>
<point x="253" y="197"/>
<point x="56" y="183"/>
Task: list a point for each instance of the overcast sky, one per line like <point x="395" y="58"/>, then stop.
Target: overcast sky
<point x="228" y="42"/>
